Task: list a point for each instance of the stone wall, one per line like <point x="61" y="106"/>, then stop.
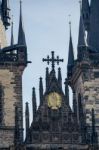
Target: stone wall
<point x="6" y="138"/>
<point x="88" y="87"/>
<point x="86" y="82"/>
<point x="11" y="82"/>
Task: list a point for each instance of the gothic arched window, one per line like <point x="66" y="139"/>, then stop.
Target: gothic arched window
<point x="80" y="106"/>
<point x="1" y="105"/>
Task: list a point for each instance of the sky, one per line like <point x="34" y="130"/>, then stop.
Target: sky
<point x="46" y="25"/>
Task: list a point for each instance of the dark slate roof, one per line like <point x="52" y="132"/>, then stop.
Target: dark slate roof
<point x="93" y="36"/>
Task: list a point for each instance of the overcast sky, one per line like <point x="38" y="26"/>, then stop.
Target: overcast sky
<point x="46" y="28"/>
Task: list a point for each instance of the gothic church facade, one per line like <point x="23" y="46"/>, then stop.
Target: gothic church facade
<point x="55" y="125"/>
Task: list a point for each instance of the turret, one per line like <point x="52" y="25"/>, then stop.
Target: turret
<point x="22" y="52"/>
<point x="70" y="56"/>
<point x="34" y="105"/>
<point x="41" y="91"/>
<point x="21" y="35"/>
<point x="5" y="9"/>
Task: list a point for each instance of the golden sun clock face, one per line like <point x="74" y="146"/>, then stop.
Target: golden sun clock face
<point x="54" y="100"/>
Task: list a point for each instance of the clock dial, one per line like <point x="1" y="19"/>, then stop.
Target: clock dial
<point x="54" y="100"/>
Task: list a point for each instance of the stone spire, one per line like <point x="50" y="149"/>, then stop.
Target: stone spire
<point x="41" y="91"/>
<point x="27" y="119"/>
<point x="59" y="77"/>
<point x="81" y="38"/>
<point x="70" y="55"/>
<point x="34" y="105"/>
<point x="21" y="34"/>
<point x="66" y="92"/>
<point x="12" y="36"/>
<point x="86" y="13"/>
<point x="93" y="35"/>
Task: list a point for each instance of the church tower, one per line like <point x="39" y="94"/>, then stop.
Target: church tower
<point x="83" y="73"/>
<point x="13" y="60"/>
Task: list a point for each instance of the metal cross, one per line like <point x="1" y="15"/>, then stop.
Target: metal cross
<point x="53" y="60"/>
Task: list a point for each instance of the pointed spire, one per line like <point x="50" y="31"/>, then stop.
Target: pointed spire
<point x="34" y="105"/>
<point x="41" y="91"/>
<point x="12" y="36"/>
<point x="81" y="38"/>
<point x="86" y="13"/>
<point x="21" y="34"/>
<point x="27" y="120"/>
<point x="47" y="77"/>
<point x="66" y="92"/>
<point x="60" y="77"/>
<point x="71" y="53"/>
<point x="52" y="74"/>
<point x="93" y="35"/>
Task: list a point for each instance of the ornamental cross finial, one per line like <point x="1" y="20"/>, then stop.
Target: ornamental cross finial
<point x="53" y="60"/>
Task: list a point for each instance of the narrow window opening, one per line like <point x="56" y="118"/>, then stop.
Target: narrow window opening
<point x="1" y="106"/>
